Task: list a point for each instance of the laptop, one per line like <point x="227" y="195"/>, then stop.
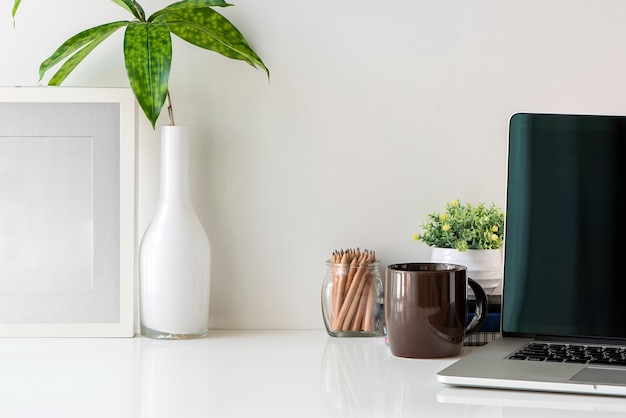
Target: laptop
<point x="563" y="319"/>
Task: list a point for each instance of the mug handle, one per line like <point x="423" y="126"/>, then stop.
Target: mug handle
<point x="482" y="307"/>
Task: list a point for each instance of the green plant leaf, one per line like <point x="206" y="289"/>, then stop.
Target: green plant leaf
<point x="185" y="3"/>
<point x="148" y="58"/>
<point x="71" y="63"/>
<point x="73" y="45"/>
<point x="16" y="5"/>
<point x="219" y="3"/>
<point x="133" y="7"/>
<point x="197" y="23"/>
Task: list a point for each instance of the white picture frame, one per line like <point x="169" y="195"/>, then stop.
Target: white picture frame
<point x="67" y="212"/>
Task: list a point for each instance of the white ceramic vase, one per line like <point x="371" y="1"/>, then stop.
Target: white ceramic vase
<point x="484" y="266"/>
<point x="175" y="255"/>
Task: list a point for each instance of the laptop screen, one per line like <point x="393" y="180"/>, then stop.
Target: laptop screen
<point x="565" y="233"/>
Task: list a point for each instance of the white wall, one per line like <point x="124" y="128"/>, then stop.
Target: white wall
<point x="376" y="113"/>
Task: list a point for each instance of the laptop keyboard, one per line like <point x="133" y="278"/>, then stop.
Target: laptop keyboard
<point x="570" y="353"/>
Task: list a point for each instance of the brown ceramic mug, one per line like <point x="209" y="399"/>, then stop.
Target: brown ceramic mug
<point x="426" y="309"/>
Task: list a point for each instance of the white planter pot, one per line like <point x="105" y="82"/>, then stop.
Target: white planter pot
<point x="484" y="266"/>
<point x="174" y="256"/>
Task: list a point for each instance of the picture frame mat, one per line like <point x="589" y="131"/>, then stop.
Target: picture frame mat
<point x="96" y="127"/>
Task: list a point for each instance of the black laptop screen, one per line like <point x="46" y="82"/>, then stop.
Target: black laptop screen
<point x="565" y="234"/>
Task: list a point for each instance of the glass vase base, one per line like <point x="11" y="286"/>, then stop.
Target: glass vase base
<point x="349" y="334"/>
<point x="160" y="335"/>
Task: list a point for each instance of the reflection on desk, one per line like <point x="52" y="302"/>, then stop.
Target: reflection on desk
<point x="502" y="403"/>
<point x="248" y="374"/>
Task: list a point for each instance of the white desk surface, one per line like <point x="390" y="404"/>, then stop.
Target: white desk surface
<point x="251" y="374"/>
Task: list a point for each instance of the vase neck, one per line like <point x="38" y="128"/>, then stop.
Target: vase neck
<point x="174" y="162"/>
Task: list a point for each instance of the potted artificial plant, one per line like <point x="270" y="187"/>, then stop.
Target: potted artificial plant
<point x="174" y="256"/>
<point x="470" y="235"/>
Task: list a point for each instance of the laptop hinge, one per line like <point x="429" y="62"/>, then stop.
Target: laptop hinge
<point x="581" y="340"/>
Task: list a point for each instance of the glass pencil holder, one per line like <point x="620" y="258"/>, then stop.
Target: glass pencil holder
<point x="352" y="299"/>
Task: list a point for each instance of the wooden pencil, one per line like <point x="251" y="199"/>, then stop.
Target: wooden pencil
<point x="368" y="323"/>
<point x="359" y="314"/>
<point x="351" y="301"/>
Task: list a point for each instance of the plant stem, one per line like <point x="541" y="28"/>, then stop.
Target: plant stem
<point x="170" y="110"/>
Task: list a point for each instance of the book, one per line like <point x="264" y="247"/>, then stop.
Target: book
<point x="490" y="329"/>
<point x="480" y="338"/>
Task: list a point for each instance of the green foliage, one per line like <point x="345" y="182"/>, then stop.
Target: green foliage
<point x="148" y="68"/>
<point x="16" y="5"/>
<point x="77" y="48"/>
<point x="132" y="7"/>
<point x="148" y="46"/>
<point x="464" y="227"/>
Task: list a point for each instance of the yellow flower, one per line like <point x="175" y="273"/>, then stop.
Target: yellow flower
<point x="416" y="237"/>
<point x="443" y="216"/>
<point x="494" y="237"/>
<point x="446" y="227"/>
<point x="495" y="228"/>
<point x="454" y="202"/>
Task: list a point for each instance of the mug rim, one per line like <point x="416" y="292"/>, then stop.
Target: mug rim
<point x="414" y="267"/>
